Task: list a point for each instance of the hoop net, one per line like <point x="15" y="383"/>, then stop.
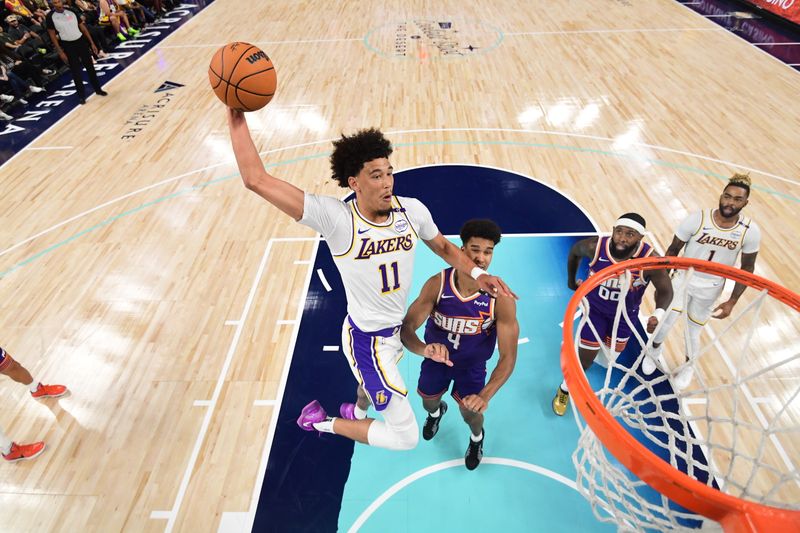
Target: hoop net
<point x="652" y="456"/>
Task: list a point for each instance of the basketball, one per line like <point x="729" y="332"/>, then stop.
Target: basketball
<point x="242" y="76"/>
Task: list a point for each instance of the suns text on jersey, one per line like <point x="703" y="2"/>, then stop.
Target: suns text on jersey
<point x="370" y="247"/>
<point x="458" y="324"/>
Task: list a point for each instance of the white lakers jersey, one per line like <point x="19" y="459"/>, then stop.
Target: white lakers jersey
<point x="705" y="240"/>
<point x="375" y="261"/>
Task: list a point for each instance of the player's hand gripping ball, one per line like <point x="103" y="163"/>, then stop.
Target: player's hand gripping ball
<point x="242" y="76"/>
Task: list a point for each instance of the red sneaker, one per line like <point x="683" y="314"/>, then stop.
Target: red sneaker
<point x="49" y="391"/>
<point x="23" y="451"/>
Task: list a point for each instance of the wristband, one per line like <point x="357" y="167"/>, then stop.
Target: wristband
<point x="477" y="271"/>
<point x="659" y="314"/>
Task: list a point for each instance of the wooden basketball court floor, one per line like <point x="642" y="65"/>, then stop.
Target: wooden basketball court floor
<point x="142" y="274"/>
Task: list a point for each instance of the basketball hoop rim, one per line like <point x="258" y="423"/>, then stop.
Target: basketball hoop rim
<point x="735" y="514"/>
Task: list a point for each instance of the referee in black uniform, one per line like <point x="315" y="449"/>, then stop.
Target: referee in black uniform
<point x="72" y="46"/>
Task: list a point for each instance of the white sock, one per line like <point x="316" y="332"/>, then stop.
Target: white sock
<point x="437" y="413"/>
<point x="476" y="438"/>
<point x="564" y="386"/>
<point x="359" y="413"/>
<point x="34" y="386"/>
<point x="326" y="426"/>
<point x="5" y="443"/>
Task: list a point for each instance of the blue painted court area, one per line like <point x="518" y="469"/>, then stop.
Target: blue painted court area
<point x="325" y="482"/>
<point x="521" y="429"/>
<point x="316" y="483"/>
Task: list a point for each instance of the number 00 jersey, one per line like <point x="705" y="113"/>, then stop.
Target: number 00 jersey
<point x="375" y="260"/>
<point x="604" y="297"/>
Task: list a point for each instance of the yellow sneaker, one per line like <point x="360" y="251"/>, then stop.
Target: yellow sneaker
<point x="560" y="402"/>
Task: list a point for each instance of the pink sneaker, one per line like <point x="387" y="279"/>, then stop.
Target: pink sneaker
<point x="348" y="411"/>
<point x="311" y="414"/>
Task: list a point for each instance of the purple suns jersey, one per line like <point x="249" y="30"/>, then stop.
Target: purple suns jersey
<point x="465" y="325"/>
<point x="605" y="296"/>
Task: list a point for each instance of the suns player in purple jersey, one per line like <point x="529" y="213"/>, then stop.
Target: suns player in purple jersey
<point x="372" y="240"/>
<point x="463" y="326"/>
<point x="624" y="243"/>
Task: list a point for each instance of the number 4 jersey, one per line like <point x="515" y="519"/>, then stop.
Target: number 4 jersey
<point x="466" y="325"/>
<point x="375" y="260"/>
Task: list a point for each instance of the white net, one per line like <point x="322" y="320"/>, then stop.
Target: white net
<point x="729" y="416"/>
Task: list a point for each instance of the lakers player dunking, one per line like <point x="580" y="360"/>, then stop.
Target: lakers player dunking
<point x="465" y="324"/>
<point x="717" y="235"/>
<point x="373" y="240"/>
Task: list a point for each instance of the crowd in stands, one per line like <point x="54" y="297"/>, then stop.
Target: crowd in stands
<point x="29" y="59"/>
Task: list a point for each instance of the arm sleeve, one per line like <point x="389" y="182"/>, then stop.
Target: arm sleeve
<point x="689" y="226"/>
<point x="48" y="21"/>
<point x="330" y="217"/>
<point x="752" y="239"/>
<point x="421" y="218"/>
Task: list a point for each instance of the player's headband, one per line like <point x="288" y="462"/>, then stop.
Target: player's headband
<point x="630" y="223"/>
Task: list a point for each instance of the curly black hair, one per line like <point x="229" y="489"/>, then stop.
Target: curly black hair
<point x="350" y="153"/>
<point x="483" y="228"/>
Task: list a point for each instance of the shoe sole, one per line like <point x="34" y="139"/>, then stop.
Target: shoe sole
<point x="25" y="458"/>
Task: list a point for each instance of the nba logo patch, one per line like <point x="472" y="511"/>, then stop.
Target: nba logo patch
<point x="381" y="398"/>
<point x="400" y="226"/>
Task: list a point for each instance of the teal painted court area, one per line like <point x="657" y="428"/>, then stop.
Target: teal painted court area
<point x="526" y="480"/>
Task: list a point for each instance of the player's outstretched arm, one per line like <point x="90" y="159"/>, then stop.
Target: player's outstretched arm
<point x="452" y="254"/>
<point x="582" y="248"/>
<point x="419" y="310"/>
<point x="279" y="193"/>
<point x="507" y="342"/>
<point x="724" y="309"/>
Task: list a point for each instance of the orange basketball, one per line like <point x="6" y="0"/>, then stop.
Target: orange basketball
<point x="242" y="76"/>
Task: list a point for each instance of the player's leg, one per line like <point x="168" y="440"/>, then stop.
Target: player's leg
<point x="358" y="410"/>
<point x="11" y="368"/>
<point x="11" y="451"/>
<point x="373" y="359"/>
<point x="588" y="347"/>
<point x="397" y="431"/>
<point x="653" y="356"/>
<point x="434" y="380"/>
<point x="698" y="311"/>
<point x="471" y="381"/>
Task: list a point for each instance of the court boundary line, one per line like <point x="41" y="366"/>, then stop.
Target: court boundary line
<point x="514" y="172"/>
<point x="432" y="469"/>
<point x="276" y="409"/>
<point x="610" y="31"/>
<point x="750" y="45"/>
<point x="68" y="113"/>
<point x="231" y="161"/>
<point x="172" y="514"/>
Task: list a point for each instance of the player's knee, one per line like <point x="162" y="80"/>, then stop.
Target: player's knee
<point x="408" y="438"/>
